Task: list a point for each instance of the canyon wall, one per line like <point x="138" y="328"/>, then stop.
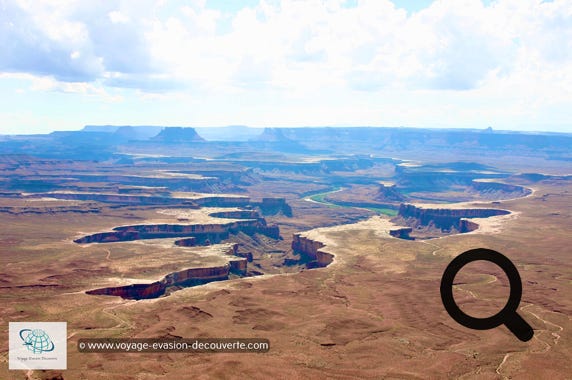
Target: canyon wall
<point x="139" y="199"/>
<point x="272" y="231"/>
<point x="312" y="249"/>
<point x="213" y="233"/>
<point x="187" y="242"/>
<point x="465" y="225"/>
<point x="401" y="233"/>
<point x="116" y="198"/>
<point x="273" y="206"/>
<point x="184" y="278"/>
<point x="498" y="190"/>
<point x="135" y="291"/>
<point x="389" y="193"/>
<point x="235" y="214"/>
<point x="446" y="219"/>
<point x="238" y="266"/>
<point x="222" y="201"/>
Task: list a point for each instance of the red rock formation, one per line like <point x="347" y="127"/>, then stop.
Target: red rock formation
<point x="465" y="225"/>
<point x="402" y="233"/>
<point x="272" y="231"/>
<point x="389" y="194"/>
<point x="498" y="190"/>
<point x="188" y="242"/>
<point x="446" y="219"/>
<point x="203" y="274"/>
<point x="239" y="266"/>
<point x="222" y="201"/>
<point x="247" y="255"/>
<point x="312" y="249"/>
<point x="236" y="214"/>
<point x="119" y="198"/>
<point x="110" y="237"/>
<point x="273" y="206"/>
<point x="135" y="291"/>
<point x="185" y="277"/>
<point x="214" y="233"/>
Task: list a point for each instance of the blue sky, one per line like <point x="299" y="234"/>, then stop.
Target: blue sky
<point x="445" y="63"/>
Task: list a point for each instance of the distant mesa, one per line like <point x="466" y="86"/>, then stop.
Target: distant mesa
<point x="130" y="132"/>
<point x="178" y="134"/>
<point x="125" y="132"/>
<point x="273" y="135"/>
<point x="229" y="133"/>
<point x="100" y="128"/>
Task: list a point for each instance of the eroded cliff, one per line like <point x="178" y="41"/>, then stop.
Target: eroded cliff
<point x="203" y="233"/>
<point x="311" y="249"/>
<point x="445" y="219"/>
<point x="183" y="278"/>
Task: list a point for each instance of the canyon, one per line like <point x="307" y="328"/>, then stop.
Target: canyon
<point x="312" y="249"/>
<point x="328" y="242"/>
<point x="446" y="220"/>
<point x="245" y="221"/>
<point x="213" y="233"/>
<point x="181" y="278"/>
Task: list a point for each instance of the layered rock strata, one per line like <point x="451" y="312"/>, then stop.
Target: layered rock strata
<point x="273" y="206"/>
<point x="138" y="199"/>
<point x="446" y="219"/>
<point x="183" y="278"/>
<point x="213" y="233"/>
<point x="498" y="189"/>
<point x="312" y="249"/>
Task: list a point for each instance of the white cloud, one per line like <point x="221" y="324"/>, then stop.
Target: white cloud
<point x="117" y="17"/>
<point x="520" y="49"/>
<point x="453" y="44"/>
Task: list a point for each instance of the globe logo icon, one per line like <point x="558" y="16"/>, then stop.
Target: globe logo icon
<point x="37" y="340"/>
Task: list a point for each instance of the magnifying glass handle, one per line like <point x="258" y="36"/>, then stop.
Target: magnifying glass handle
<point x="519" y="327"/>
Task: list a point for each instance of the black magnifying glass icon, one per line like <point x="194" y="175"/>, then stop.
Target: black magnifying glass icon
<point x="508" y="315"/>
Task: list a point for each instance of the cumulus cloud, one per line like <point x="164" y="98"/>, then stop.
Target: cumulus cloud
<point x="72" y="41"/>
<point x="32" y="44"/>
<point x="287" y="45"/>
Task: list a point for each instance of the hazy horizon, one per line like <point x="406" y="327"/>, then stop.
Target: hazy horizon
<point x="261" y="128"/>
<point x="422" y="64"/>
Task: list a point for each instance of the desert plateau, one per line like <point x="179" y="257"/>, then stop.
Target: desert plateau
<point x="334" y="257"/>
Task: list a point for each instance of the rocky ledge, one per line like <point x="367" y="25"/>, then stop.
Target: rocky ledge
<point x="203" y="233"/>
<point x="311" y="249"/>
<point x="445" y="219"/>
<point x="183" y="278"/>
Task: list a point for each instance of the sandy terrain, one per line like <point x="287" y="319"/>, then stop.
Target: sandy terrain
<point x="375" y="313"/>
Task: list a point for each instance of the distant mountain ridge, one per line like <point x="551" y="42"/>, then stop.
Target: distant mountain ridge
<point x="229" y="133"/>
<point x="139" y="132"/>
<point x="178" y="134"/>
<point x="273" y="135"/>
<point x="107" y="141"/>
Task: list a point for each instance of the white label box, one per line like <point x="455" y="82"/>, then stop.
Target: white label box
<point x="37" y="345"/>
